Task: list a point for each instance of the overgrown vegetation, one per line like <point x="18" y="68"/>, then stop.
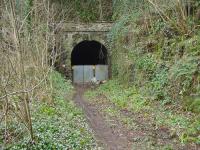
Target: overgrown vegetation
<point x="155" y="49"/>
<point x="181" y="124"/>
<point x="24" y="66"/>
<point x="31" y="113"/>
<point x="156" y="46"/>
<point x="57" y="122"/>
<point x="79" y="11"/>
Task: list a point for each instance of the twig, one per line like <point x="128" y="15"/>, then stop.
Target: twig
<point x="27" y="90"/>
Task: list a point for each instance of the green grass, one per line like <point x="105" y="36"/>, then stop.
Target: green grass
<point x="59" y="125"/>
<point x="123" y="97"/>
<point x="183" y="124"/>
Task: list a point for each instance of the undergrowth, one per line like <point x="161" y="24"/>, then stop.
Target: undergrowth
<point x="57" y="124"/>
<point x="155" y="49"/>
<point x="184" y="125"/>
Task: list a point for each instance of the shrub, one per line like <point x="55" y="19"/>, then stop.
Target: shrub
<point x="182" y="76"/>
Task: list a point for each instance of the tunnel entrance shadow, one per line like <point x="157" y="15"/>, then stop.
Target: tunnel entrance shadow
<point x="89" y="60"/>
<point x="89" y="53"/>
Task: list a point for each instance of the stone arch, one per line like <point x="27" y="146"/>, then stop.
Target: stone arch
<point x="70" y="34"/>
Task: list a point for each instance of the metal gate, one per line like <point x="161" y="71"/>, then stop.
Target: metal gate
<point x="82" y="73"/>
<point x="101" y="72"/>
<point x="85" y="73"/>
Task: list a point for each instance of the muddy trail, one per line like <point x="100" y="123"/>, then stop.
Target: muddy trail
<point x="104" y="134"/>
<point x="111" y="134"/>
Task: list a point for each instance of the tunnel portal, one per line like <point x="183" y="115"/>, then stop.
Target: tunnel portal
<point x="89" y="62"/>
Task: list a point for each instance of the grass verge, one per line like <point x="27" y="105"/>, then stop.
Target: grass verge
<point x="182" y="124"/>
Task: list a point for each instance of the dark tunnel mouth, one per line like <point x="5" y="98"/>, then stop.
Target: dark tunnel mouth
<point x="89" y="53"/>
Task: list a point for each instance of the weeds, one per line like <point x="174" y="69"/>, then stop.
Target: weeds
<point x="181" y="124"/>
<point x="156" y="48"/>
<point x="57" y="125"/>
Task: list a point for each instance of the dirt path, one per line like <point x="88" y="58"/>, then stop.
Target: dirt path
<point x="112" y="134"/>
<point x="106" y="136"/>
